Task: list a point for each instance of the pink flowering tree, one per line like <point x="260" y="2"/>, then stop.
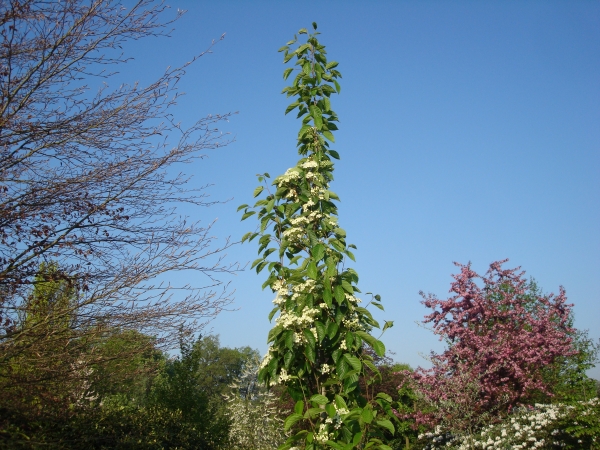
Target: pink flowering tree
<point x="500" y="335"/>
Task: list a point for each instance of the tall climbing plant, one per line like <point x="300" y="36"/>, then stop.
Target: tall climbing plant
<point x="316" y="347"/>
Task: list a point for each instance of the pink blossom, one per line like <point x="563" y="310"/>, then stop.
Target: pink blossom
<point x="499" y="336"/>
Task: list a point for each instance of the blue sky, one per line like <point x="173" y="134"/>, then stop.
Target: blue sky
<point x="470" y="131"/>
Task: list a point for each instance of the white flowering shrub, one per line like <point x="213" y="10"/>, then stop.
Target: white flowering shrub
<point x="256" y="422"/>
<point x="545" y="426"/>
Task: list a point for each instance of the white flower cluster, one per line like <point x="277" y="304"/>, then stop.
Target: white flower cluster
<point x="352" y="323"/>
<point x="280" y="286"/>
<point x="304" y="288"/>
<point x="293" y="234"/>
<point x="307" y="205"/>
<point x="289" y="175"/>
<point x="336" y="420"/>
<point x="283" y="376"/>
<point x="310" y="165"/>
<point x="323" y="435"/>
<point x="530" y="429"/>
<point x="317" y="191"/>
<point x="279" y="300"/>
<point x="352" y="299"/>
<point x="290" y="320"/>
<point x="267" y="358"/>
<point x="302" y="220"/>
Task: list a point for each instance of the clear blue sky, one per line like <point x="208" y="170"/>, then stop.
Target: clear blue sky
<point x="470" y="131"/>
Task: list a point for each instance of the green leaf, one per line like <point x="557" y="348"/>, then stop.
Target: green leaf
<point x="287" y="359"/>
<point x="379" y="348"/>
<point x="268" y="252"/>
<point x="302" y="47"/>
<point x="317" y="116"/>
<point x="384" y="396"/>
<point x="261" y="266"/>
<point x="306" y="68"/>
<point x="318" y="251"/>
<point x="299" y="407"/>
<point x="311" y="413"/>
<point x="321" y="330"/>
<point x="354" y="361"/>
<point x="289" y="339"/>
<point x="338" y="293"/>
<point x="319" y="399"/>
<point x="242" y="206"/>
<point x="332" y="329"/>
<point x="356" y="439"/>
<point x="337" y="86"/>
<point x="333" y="153"/>
<point x="349" y="339"/>
<point x="303" y="31"/>
<point x="269" y="281"/>
<point x="327" y="297"/>
<point x="387" y="425"/>
<point x="388" y="324"/>
<point x="310" y="337"/>
<point x="272" y="313"/>
<point x="371" y="366"/>
<point x="329" y="136"/>
<point x="342" y="368"/>
<point x="330" y="267"/>
<point x="330" y="410"/>
<point x="377" y="305"/>
<point x="350" y="255"/>
<point x="312" y="271"/>
<point x="286" y="72"/>
<point x="291" y="420"/>
<point x="309" y="352"/>
<point x="366" y="337"/>
<point x="291" y="107"/>
<point x="248" y="214"/>
<point x="347" y="287"/>
<point x="340" y="402"/>
<point x="340" y="232"/>
<point x="270" y="205"/>
<point x="303" y="131"/>
<point x="258" y="190"/>
<point x="367" y="415"/>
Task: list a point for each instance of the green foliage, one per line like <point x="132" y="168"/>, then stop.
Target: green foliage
<point x="316" y="345"/>
<point x="567" y="376"/>
<point x="144" y="401"/>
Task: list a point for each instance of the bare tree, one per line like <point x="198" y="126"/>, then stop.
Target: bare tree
<point x="87" y="185"/>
